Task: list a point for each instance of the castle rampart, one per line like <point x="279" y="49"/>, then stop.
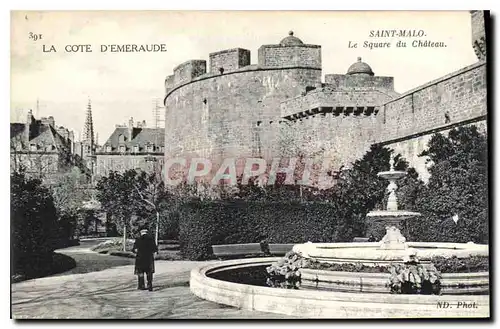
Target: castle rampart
<point x="280" y="107"/>
<point x="213" y="114"/>
<point x="338" y="101"/>
<point x="457" y="97"/>
<point x="209" y="114"/>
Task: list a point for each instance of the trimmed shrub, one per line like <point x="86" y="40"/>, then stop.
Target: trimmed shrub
<point x="287" y="214"/>
<point x="51" y="264"/>
<point x="207" y="223"/>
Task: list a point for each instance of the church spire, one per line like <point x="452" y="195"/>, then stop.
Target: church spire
<point x="88" y="129"/>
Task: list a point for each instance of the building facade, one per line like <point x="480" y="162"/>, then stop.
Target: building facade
<point x="41" y="148"/>
<point x="131" y="147"/>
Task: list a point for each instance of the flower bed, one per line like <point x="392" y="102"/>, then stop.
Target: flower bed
<point x="114" y="247"/>
<point x="409" y="277"/>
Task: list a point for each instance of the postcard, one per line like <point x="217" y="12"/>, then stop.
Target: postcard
<point x="249" y="165"/>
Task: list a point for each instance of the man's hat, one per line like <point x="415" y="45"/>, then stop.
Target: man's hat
<point x="144" y="231"/>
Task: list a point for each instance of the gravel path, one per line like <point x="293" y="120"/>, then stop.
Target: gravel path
<point x="100" y="287"/>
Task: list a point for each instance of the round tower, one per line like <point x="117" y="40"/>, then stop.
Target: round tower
<point x="216" y="114"/>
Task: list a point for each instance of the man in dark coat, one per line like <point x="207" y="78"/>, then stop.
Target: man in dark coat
<point x="144" y="248"/>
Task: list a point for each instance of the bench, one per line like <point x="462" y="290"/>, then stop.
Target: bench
<point x="250" y="250"/>
<point x="280" y="249"/>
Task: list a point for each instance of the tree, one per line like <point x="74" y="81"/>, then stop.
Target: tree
<point x="457" y="188"/>
<point x="360" y="190"/>
<point x="151" y="191"/>
<point x="33" y="223"/>
<point x="132" y="198"/>
<point x="70" y="190"/>
<point x="116" y="193"/>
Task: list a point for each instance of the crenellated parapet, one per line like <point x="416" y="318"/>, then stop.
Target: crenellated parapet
<point x="189" y="70"/>
<point x="229" y="60"/>
<point x="290" y="53"/>
<point x="356" y="81"/>
<point x="339" y="102"/>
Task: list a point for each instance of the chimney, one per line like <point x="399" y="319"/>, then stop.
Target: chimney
<point x="51" y="121"/>
<point x="72" y="141"/>
<point x="130" y="128"/>
<point x="29" y="122"/>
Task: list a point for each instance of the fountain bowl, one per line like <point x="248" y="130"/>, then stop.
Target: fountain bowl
<point x="391" y="174"/>
<point x="392" y="217"/>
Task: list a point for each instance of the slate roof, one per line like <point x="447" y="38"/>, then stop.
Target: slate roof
<point x="40" y="134"/>
<point x="141" y="137"/>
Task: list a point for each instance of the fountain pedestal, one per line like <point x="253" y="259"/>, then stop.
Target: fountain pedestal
<point x="393" y="239"/>
<point x="392" y="217"/>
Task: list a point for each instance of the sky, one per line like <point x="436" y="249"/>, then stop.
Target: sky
<point x="124" y="85"/>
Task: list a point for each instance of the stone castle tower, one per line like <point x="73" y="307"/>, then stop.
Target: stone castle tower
<point x="282" y="106"/>
<point x="478" y="33"/>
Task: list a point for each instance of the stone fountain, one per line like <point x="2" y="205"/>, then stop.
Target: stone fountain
<point x="345" y="294"/>
<point x="393" y="248"/>
<point x="392" y="217"/>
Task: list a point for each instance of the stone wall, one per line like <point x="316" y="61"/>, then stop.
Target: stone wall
<point x="39" y="163"/>
<point x="214" y="116"/>
<point x="411" y="148"/>
<point x="455" y="98"/>
<point x="359" y="80"/>
<point x="341" y="139"/>
<point x="236" y="115"/>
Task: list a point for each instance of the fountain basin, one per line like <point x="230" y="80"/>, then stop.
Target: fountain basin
<point x="369" y="253"/>
<point x="451" y="283"/>
<point x="327" y="304"/>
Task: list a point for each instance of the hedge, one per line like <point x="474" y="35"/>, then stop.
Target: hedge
<point x="207" y="223"/>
